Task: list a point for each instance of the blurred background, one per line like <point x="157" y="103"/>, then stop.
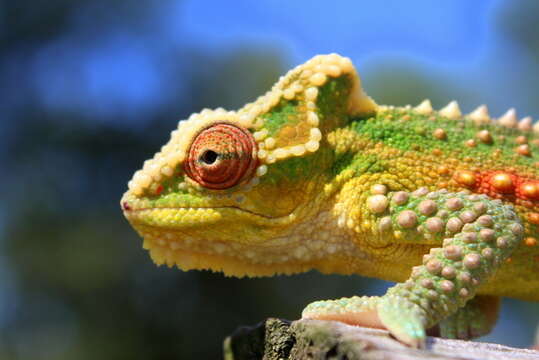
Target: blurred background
<point x="89" y="89"/>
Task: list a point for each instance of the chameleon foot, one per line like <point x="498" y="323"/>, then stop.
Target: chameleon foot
<point x="475" y="319"/>
<point x="405" y="320"/>
<point x="477" y="234"/>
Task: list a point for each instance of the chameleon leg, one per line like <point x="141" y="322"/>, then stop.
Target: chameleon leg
<point x="476" y="318"/>
<point x="477" y="235"/>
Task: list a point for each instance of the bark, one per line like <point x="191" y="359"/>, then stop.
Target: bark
<point x="314" y="339"/>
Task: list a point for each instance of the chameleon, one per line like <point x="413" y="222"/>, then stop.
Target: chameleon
<point x="314" y="174"/>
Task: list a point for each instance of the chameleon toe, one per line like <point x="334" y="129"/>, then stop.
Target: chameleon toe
<point x="359" y="311"/>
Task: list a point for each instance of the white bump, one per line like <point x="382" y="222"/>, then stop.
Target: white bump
<point x="270" y="159"/>
<point x="297" y="87"/>
<point x="275" y="97"/>
<point x="318" y="79"/>
<point x="288" y="94"/>
<point x="451" y="111"/>
<point x="424" y="108"/>
<point x="142" y="179"/>
<point x="167" y="171"/>
<point x="259" y="123"/>
<point x="261" y="170"/>
<point x="153" y="169"/>
<point x="312" y="145"/>
<point x="246" y="119"/>
<point x="509" y="119"/>
<point x="480" y="115"/>
<point x="306" y="74"/>
<point x="333" y="70"/>
<point x="536" y="128"/>
<point x="315" y="135"/>
<point x="312" y="118"/>
<point x="311" y="93"/>
<point x="260" y="135"/>
<point x="346" y="64"/>
<point x="525" y="124"/>
<point x="269" y="142"/>
<point x="320" y="68"/>
<point x="262" y="154"/>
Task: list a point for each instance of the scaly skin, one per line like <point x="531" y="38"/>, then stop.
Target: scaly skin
<point x="315" y="175"/>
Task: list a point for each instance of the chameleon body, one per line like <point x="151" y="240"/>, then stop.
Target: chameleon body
<point x="315" y="175"/>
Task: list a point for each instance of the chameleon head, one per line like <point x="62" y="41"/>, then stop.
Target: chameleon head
<point x="229" y="188"/>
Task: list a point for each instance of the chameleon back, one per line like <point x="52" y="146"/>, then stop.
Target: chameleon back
<point x="420" y="147"/>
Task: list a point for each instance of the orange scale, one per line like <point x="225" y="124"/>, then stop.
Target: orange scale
<point x="503" y="182"/>
<point x="467" y="178"/>
<point x="529" y="189"/>
<point x="498" y="185"/>
<point x="533" y="218"/>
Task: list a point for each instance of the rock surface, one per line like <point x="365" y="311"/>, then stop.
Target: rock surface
<point x="314" y="339"/>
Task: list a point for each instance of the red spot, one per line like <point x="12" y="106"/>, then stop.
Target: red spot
<point x="509" y="186"/>
<point x="159" y="190"/>
<point x="498" y="184"/>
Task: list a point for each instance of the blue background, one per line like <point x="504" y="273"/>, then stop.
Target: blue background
<point x="90" y="89"/>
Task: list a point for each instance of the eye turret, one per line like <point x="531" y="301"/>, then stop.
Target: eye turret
<point x="221" y="156"/>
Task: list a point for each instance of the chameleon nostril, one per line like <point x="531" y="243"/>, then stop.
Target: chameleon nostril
<point x="125" y="206"/>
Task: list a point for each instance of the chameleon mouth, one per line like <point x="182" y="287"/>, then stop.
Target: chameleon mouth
<point x="179" y="217"/>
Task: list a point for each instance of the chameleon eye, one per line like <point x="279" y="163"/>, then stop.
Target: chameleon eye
<point x="221" y="156"/>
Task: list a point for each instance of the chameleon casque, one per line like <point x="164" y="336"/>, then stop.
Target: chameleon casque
<point x="315" y="175"/>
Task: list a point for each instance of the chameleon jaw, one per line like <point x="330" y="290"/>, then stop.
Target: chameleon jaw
<point x="219" y="250"/>
<point x="186" y="260"/>
<point x="210" y="238"/>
